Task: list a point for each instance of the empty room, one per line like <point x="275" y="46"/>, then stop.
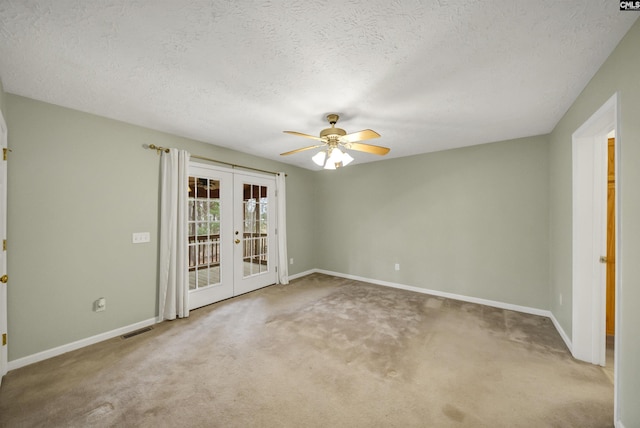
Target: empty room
<point x="323" y="213"/>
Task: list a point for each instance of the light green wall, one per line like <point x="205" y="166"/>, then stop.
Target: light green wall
<point x="620" y="73"/>
<point x="471" y="221"/>
<point x="79" y="186"/>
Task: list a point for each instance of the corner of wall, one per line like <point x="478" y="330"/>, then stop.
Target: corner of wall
<point x="2" y="106"/>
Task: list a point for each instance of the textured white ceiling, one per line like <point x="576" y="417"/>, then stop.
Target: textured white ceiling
<point x="427" y="75"/>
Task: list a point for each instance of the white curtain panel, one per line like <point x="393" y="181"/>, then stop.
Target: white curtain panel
<point x="283" y="267"/>
<point x="174" y="277"/>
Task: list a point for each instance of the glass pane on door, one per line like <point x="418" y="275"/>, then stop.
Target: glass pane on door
<point x="204" y="232"/>
<point x="255" y="256"/>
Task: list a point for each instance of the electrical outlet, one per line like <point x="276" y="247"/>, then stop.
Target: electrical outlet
<point x="141" y="237"/>
<point x="397" y="266"/>
<point x="100" y="305"/>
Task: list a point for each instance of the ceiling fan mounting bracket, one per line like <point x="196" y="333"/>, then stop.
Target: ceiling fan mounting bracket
<point x="333" y="119"/>
<point x="333" y="132"/>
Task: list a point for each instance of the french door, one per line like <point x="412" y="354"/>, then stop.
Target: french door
<point x="232" y="240"/>
<point x="255" y="227"/>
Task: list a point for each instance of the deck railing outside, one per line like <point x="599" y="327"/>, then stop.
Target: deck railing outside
<point x="204" y="250"/>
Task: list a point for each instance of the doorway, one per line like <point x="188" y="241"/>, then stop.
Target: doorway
<point x="610" y="260"/>
<point x="590" y="184"/>
<point x="231" y="233"/>
<point x="590" y="148"/>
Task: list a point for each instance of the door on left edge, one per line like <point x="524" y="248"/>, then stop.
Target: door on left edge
<point x="3" y="250"/>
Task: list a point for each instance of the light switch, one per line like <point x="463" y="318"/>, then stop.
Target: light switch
<point x="141" y="237"/>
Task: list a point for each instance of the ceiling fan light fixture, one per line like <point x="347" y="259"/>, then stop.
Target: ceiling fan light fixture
<point x="337" y="159"/>
<point x="330" y="165"/>
<point x="335" y="156"/>
<point x="319" y="158"/>
<point x="346" y="159"/>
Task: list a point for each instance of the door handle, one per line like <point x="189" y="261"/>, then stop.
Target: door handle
<point x="4" y="279"/>
<point x="237" y="242"/>
<point x="603" y="259"/>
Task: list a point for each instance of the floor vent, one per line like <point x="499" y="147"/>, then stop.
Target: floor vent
<point x="137" y="332"/>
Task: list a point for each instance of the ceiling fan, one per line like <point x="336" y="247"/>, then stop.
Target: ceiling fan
<point x="334" y="141"/>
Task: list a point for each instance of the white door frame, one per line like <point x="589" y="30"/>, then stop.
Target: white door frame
<point x="3" y="255"/>
<point x="589" y="153"/>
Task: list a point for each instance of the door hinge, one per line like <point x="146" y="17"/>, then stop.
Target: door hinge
<point x="4" y="339"/>
<point x="4" y="153"/>
<point x="4" y="245"/>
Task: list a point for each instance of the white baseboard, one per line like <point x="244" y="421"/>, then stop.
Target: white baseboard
<point x="493" y="303"/>
<point x="40" y="356"/>
<point x="54" y="352"/>
<point x="562" y="333"/>
<point x="301" y="274"/>
<point x="619" y="424"/>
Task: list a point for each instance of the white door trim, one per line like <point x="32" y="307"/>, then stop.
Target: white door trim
<point x="589" y="243"/>
<point x="589" y="159"/>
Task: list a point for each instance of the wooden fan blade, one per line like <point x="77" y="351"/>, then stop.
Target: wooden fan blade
<point x="303" y="135"/>
<point x="367" y="134"/>
<point x="368" y="148"/>
<point x="301" y="150"/>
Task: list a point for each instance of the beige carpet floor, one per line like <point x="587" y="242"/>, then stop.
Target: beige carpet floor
<point x="320" y="352"/>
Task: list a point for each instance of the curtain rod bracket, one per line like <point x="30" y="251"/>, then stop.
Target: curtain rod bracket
<point x="158" y="149"/>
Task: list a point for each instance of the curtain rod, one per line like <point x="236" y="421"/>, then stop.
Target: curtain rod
<point x="233" y="165"/>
